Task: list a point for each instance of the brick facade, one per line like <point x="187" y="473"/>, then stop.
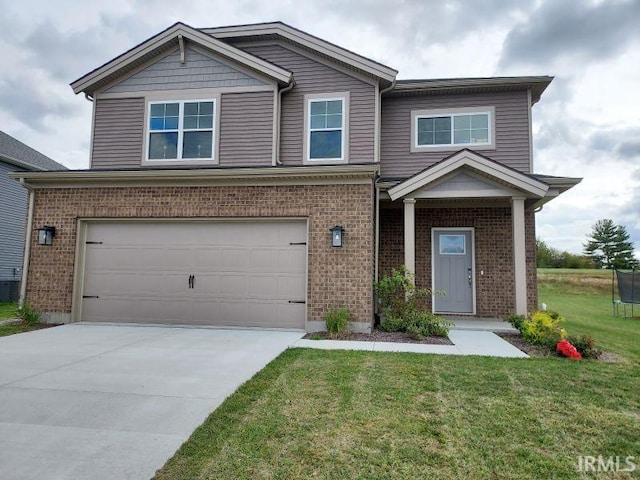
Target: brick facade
<point x="336" y="276"/>
<point x="493" y="251"/>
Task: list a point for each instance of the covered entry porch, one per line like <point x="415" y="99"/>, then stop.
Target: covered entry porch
<point x="465" y="226"/>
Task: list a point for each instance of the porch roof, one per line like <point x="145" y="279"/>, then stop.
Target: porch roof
<point x="468" y="160"/>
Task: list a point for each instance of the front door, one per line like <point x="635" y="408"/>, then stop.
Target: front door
<point x="453" y="270"/>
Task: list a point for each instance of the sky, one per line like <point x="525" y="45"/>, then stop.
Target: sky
<point x="587" y="123"/>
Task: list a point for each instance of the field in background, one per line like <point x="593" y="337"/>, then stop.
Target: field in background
<point x="584" y="298"/>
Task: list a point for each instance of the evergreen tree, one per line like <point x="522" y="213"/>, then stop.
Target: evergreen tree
<point x="610" y="246"/>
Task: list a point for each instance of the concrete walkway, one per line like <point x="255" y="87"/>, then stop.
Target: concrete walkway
<point x="469" y="337"/>
<point x="87" y="401"/>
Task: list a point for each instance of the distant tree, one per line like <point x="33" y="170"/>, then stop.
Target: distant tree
<point x="549" y="257"/>
<point x="610" y="246"/>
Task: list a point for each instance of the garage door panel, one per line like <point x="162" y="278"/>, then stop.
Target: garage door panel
<point x="292" y="260"/>
<point x="207" y="259"/>
<point x="245" y="273"/>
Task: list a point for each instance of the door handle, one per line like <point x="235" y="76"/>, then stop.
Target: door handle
<point x="190" y="281"/>
<point x="469" y="276"/>
<point x="193" y="281"/>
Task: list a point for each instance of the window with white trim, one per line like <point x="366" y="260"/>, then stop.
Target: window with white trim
<point x="326" y="129"/>
<point x="181" y="130"/>
<point x="464" y="128"/>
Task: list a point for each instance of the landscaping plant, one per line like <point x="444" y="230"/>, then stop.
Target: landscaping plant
<point x="337" y="321"/>
<point x="28" y="315"/>
<point x="403" y="307"/>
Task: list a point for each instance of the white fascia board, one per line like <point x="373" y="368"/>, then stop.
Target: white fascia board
<point x="189" y="33"/>
<point x="269" y="174"/>
<point x="462" y="159"/>
<point x="308" y="41"/>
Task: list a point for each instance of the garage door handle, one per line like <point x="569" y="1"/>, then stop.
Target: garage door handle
<point x="190" y="281"/>
<point x="297" y="301"/>
<point x="193" y="281"/>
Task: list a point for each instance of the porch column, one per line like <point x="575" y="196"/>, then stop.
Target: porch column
<point x="410" y="234"/>
<point x="519" y="255"/>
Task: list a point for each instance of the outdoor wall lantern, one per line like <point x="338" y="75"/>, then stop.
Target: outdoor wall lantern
<point x="336" y="236"/>
<point x="46" y="234"/>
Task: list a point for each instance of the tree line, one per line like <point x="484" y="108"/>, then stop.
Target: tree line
<point x="608" y="246"/>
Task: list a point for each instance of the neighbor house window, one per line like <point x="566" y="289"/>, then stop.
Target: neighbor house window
<point x="458" y="127"/>
<point x="326" y="135"/>
<point x="181" y="130"/>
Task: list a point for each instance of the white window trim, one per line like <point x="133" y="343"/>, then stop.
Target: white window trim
<point x="315" y="97"/>
<point x="452" y="112"/>
<point x="214" y="160"/>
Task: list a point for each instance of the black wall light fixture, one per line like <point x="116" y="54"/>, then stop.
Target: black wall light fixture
<point x="336" y="236"/>
<point x="46" y="234"/>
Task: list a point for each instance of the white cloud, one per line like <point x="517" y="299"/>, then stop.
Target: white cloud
<point x="587" y="123"/>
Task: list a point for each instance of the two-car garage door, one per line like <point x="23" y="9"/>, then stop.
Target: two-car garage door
<point x="227" y="273"/>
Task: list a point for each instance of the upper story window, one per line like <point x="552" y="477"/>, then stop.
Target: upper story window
<point x="456" y="127"/>
<point x="326" y="123"/>
<point x="181" y="130"/>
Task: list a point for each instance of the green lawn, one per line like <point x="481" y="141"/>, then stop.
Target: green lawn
<point x="8" y="310"/>
<point x="324" y="414"/>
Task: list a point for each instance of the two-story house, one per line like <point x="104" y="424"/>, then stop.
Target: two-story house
<point x="257" y="176"/>
<point x="15" y="156"/>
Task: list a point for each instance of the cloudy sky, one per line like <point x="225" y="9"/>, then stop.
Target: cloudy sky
<point x="587" y="123"/>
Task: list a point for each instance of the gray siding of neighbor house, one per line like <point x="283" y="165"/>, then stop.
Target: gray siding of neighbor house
<point x="13" y="215"/>
<point x="118" y="133"/>
<point x="315" y="77"/>
<point x="246" y="129"/>
<point x="511" y="131"/>
<point x="198" y="71"/>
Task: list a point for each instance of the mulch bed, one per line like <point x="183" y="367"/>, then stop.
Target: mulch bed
<point x="517" y="341"/>
<point x="380" y="336"/>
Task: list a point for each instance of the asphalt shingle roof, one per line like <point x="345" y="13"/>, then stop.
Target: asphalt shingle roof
<point x="14" y="151"/>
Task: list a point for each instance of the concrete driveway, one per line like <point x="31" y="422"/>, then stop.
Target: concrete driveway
<point x="115" y="401"/>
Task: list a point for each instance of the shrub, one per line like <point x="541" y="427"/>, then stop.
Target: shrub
<point x="28" y="315"/>
<point x="515" y="320"/>
<point x="543" y="328"/>
<point x="426" y="324"/>
<point x="337" y="321"/>
<point x="391" y="323"/>
<point x="585" y="345"/>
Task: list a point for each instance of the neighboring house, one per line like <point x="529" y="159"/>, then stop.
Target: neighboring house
<point x="15" y="156"/>
<point x="222" y="157"/>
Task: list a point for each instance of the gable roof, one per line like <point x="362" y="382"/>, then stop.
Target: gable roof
<point x="164" y="41"/>
<point x="537" y="84"/>
<point x="269" y="30"/>
<point x="15" y="152"/>
<point x="527" y="184"/>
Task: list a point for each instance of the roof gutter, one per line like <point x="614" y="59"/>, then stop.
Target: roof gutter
<point x="27" y="244"/>
<point x="326" y="174"/>
<point x="278" y="114"/>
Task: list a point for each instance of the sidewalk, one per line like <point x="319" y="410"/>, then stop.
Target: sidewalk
<point x="467" y="339"/>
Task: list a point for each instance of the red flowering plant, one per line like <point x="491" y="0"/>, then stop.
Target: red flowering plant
<point x="568" y="350"/>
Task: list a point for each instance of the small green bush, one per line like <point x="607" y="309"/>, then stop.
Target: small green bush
<point x="391" y="323"/>
<point x="337" y="321"/>
<point x="426" y="324"/>
<point x="515" y="320"/>
<point x="543" y="328"/>
<point x="28" y="315"/>
<point x="586" y="345"/>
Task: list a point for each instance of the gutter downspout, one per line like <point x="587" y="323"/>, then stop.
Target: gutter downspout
<point x="279" y="119"/>
<point x="27" y="244"/>
<point x="377" y="198"/>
